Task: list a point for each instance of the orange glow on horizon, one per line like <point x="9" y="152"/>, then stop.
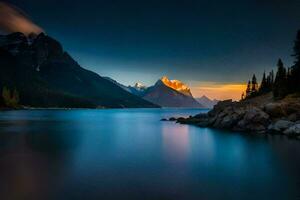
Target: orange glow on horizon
<point x="219" y="91"/>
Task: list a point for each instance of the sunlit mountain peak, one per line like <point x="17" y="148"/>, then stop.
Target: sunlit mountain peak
<point x="176" y="85"/>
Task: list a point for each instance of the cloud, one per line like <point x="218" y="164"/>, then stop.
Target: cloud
<point x="14" y="20"/>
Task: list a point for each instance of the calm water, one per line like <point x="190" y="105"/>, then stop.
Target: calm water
<point x="131" y="154"/>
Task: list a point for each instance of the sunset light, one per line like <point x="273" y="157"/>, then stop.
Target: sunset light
<point x="220" y="91"/>
<point x="159" y="100"/>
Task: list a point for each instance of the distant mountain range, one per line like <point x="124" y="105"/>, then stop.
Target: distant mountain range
<point x="46" y="76"/>
<point x="206" y="102"/>
<point x="165" y="93"/>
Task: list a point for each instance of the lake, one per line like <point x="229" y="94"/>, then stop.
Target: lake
<point x="131" y="154"/>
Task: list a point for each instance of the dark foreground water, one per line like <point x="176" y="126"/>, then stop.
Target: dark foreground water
<point x="131" y="154"/>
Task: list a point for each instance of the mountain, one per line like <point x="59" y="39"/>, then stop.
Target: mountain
<point x="168" y="93"/>
<point x="165" y="93"/>
<point x="47" y="76"/>
<point x="177" y="85"/>
<point x="138" y="89"/>
<point x="117" y="83"/>
<point x="206" y="102"/>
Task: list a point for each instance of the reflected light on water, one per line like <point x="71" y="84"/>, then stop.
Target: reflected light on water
<point x="175" y="142"/>
<point x="131" y="154"/>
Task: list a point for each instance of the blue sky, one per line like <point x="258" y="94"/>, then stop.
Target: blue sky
<point x="194" y="41"/>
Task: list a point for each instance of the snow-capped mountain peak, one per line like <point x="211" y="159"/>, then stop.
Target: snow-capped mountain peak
<point x="139" y="86"/>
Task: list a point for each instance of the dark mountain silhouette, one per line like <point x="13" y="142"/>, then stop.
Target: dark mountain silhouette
<point x="46" y="76"/>
<point x="117" y="83"/>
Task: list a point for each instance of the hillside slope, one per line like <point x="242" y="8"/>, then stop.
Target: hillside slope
<point x="47" y="76"/>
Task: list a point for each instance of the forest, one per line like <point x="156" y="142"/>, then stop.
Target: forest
<point x="285" y="82"/>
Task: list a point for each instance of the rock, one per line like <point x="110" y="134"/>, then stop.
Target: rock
<point x="293" y="131"/>
<point x="212" y="120"/>
<point x="292" y="107"/>
<point x="250" y="127"/>
<point x="172" y="119"/>
<point x="229" y="121"/>
<point x="201" y="116"/>
<point x="181" y="118"/>
<point x="219" y="107"/>
<point x="254" y="120"/>
<point x="204" y="123"/>
<point x="163" y="119"/>
<point x="284" y="109"/>
<point x="256" y="115"/>
<point x="292" y="117"/>
<point x="223" y="103"/>
<point x="280" y="126"/>
<point x="274" y="110"/>
<point x="251" y="116"/>
<point x="222" y="114"/>
<point x="192" y="120"/>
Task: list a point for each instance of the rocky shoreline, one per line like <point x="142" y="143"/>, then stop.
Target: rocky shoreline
<point x="257" y="115"/>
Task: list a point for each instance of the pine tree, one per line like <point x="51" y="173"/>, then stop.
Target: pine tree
<point x="264" y="85"/>
<point x="248" y="90"/>
<point x="254" y="85"/>
<point x="280" y="84"/>
<point x="295" y="71"/>
<point x="269" y="82"/>
<point x="289" y="81"/>
<point x="297" y="49"/>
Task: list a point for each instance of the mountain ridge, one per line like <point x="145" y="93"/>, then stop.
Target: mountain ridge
<point x="47" y="76"/>
<point x="166" y="93"/>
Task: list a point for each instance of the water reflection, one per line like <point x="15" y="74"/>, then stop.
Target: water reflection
<point x="175" y="142"/>
<point x="34" y="154"/>
<point x="130" y="154"/>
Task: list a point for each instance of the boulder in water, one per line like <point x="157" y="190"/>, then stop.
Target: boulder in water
<point x="293" y="131"/>
<point x="280" y="126"/>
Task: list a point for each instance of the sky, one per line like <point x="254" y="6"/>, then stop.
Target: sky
<point x="213" y="46"/>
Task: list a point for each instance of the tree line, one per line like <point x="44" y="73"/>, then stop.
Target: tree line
<point x="286" y="81"/>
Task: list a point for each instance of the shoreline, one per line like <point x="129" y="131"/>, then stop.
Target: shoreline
<point x="58" y="108"/>
<point x="261" y="115"/>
